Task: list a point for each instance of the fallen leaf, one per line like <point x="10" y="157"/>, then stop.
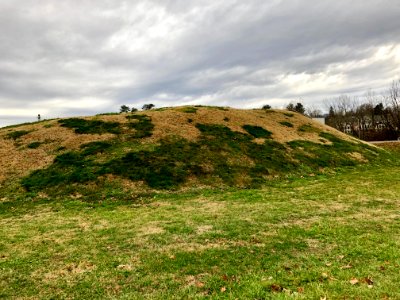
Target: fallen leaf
<point x="172" y="257"/>
<point x="322" y="298"/>
<point x="125" y="267"/>
<point x="328" y="264"/>
<point x="199" y="284"/>
<point x="300" y="290"/>
<point x="276" y="288"/>
<point x="225" y="277"/>
<point x="287" y="291"/>
<point x="324" y="275"/>
<point x="354" y="281"/>
<point x="223" y="289"/>
<point x="368" y="281"/>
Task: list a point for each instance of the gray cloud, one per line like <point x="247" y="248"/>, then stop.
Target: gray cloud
<point x="82" y="57"/>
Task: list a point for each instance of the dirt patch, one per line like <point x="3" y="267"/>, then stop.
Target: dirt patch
<point x="66" y="272"/>
<point x="204" y="229"/>
<point x="150" y="229"/>
<point x="357" y="156"/>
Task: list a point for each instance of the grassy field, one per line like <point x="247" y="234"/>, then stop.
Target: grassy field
<point x="333" y="236"/>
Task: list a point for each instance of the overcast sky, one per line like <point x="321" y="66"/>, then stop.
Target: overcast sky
<point x="70" y="57"/>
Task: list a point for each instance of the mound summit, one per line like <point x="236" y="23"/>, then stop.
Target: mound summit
<point x="171" y="148"/>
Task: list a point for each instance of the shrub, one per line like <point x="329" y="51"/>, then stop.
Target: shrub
<point x="124" y="109"/>
<point x="148" y="106"/>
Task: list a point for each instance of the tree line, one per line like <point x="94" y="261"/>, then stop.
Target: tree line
<point x="372" y="117"/>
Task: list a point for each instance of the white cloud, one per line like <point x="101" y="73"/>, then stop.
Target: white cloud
<point x="78" y="57"/>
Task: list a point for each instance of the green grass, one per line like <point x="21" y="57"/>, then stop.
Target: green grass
<point x="82" y="126"/>
<point x="17" y="134"/>
<point x="287" y="124"/>
<point x="308" y="128"/>
<point x="142" y="125"/>
<point x="188" y="109"/>
<point x="213" y="107"/>
<point x="34" y="145"/>
<point x="257" y="131"/>
<point x="27" y="123"/>
<point x="109" y="114"/>
<point x="303" y="238"/>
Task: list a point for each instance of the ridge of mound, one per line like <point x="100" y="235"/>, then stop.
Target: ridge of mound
<point x="172" y="148"/>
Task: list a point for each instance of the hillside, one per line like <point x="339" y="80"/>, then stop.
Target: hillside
<point x="171" y="148"/>
<point x="196" y="203"/>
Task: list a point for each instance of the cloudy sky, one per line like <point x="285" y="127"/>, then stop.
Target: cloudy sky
<point x="70" y="57"/>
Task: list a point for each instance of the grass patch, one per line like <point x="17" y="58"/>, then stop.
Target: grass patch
<point x="82" y="126"/>
<point x="308" y="128"/>
<point x="95" y="148"/>
<point x="109" y="114"/>
<point x="257" y="131"/>
<point x="142" y="125"/>
<point x="287" y="124"/>
<point x="188" y="109"/>
<point x="213" y="107"/>
<point x="26" y="123"/>
<point x="34" y="145"/>
<point x="17" y="134"/>
<point x="313" y="155"/>
<point x="306" y="238"/>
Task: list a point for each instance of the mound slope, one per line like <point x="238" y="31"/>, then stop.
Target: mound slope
<point x="172" y="148"/>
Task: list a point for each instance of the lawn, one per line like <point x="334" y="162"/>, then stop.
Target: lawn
<point x="333" y="236"/>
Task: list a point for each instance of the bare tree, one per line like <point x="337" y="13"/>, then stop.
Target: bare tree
<point x="394" y="102"/>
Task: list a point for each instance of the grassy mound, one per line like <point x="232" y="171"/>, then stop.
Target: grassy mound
<point x="161" y="149"/>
